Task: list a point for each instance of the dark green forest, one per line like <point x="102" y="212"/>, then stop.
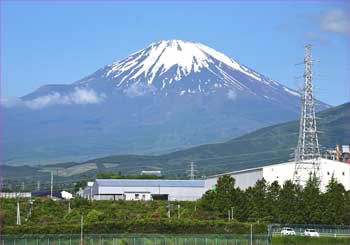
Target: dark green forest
<point x="259" y="205"/>
<point x="287" y="204"/>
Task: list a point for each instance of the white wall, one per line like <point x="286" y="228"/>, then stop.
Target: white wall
<point x="174" y="193"/>
<point x="284" y="171"/>
<point x="280" y="172"/>
<point x="340" y="170"/>
<point x="244" y="178"/>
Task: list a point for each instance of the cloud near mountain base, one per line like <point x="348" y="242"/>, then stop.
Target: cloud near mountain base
<point x="79" y="96"/>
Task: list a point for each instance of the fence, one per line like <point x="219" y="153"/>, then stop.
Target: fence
<point x="134" y="239"/>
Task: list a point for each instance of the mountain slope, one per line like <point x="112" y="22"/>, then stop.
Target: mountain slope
<point x="170" y="95"/>
<point x="265" y="146"/>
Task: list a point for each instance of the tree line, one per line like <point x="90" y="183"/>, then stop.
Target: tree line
<point x="272" y="203"/>
<point x="225" y="209"/>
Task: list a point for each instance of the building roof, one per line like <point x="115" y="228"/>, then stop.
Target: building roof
<point x="149" y="183"/>
<point x="237" y="172"/>
<point x="322" y="161"/>
<point x="47" y="193"/>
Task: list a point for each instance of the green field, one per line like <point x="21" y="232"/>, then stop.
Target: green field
<point x="136" y="239"/>
<point x="302" y="240"/>
<point x="167" y="239"/>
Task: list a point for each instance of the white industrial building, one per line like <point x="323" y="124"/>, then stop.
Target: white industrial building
<point x="284" y="171"/>
<point x="189" y="190"/>
<point x="141" y="189"/>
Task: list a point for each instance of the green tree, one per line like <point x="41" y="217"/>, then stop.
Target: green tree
<point x="335" y="203"/>
<point x="224" y="198"/>
<point x="94" y="216"/>
<point x="272" y="200"/>
<point x="256" y="196"/>
<point x="288" y="203"/>
<point x="311" y="203"/>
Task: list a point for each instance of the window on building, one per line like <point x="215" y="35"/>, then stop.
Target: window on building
<point x="143" y="197"/>
<point x="343" y="173"/>
<point x="137" y="196"/>
<point x="327" y="173"/>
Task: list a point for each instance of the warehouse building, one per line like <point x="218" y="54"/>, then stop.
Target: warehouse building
<point x="284" y="171"/>
<point x="141" y="189"/>
<point x="190" y="190"/>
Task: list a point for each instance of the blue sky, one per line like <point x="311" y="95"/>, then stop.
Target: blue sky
<point x="61" y="42"/>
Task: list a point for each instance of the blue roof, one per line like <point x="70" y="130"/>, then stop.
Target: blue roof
<point x="149" y="183"/>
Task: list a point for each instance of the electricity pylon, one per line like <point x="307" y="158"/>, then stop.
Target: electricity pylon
<point x="307" y="153"/>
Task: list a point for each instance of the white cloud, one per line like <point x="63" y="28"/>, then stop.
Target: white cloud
<point x="86" y="96"/>
<point x="138" y="89"/>
<point x="336" y="20"/>
<point x="78" y="96"/>
<point x="11" y="102"/>
<point x="232" y="95"/>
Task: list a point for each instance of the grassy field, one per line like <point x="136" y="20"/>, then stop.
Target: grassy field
<point x="302" y="240"/>
<point x="135" y="239"/>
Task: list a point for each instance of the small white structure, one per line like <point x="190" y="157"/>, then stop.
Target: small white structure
<point x="137" y="196"/>
<point x="284" y="171"/>
<point x="66" y="195"/>
<point x="141" y="189"/>
<point x="154" y="173"/>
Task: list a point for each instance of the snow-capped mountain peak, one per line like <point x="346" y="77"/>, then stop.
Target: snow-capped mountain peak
<point x="184" y="67"/>
<point x="182" y="57"/>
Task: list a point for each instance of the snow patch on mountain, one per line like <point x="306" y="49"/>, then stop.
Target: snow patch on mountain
<point x="291" y="91"/>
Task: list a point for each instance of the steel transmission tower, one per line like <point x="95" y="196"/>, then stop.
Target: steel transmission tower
<point x="192" y="171"/>
<point x="307" y="153"/>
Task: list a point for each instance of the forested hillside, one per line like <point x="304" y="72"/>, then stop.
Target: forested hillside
<point x="263" y="147"/>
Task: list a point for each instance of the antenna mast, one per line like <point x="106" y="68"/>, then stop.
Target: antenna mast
<point x="307" y="154"/>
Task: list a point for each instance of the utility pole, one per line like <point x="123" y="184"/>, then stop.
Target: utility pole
<point x="251" y="234"/>
<point x="307" y="153"/>
<point x="18" y="212"/>
<point x="81" y="230"/>
<point x="23" y="186"/>
<point x="38" y="185"/>
<point x="169" y="212"/>
<point x="31" y="202"/>
<point x="51" y="183"/>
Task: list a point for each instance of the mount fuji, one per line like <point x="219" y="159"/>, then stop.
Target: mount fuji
<point x="171" y="95"/>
